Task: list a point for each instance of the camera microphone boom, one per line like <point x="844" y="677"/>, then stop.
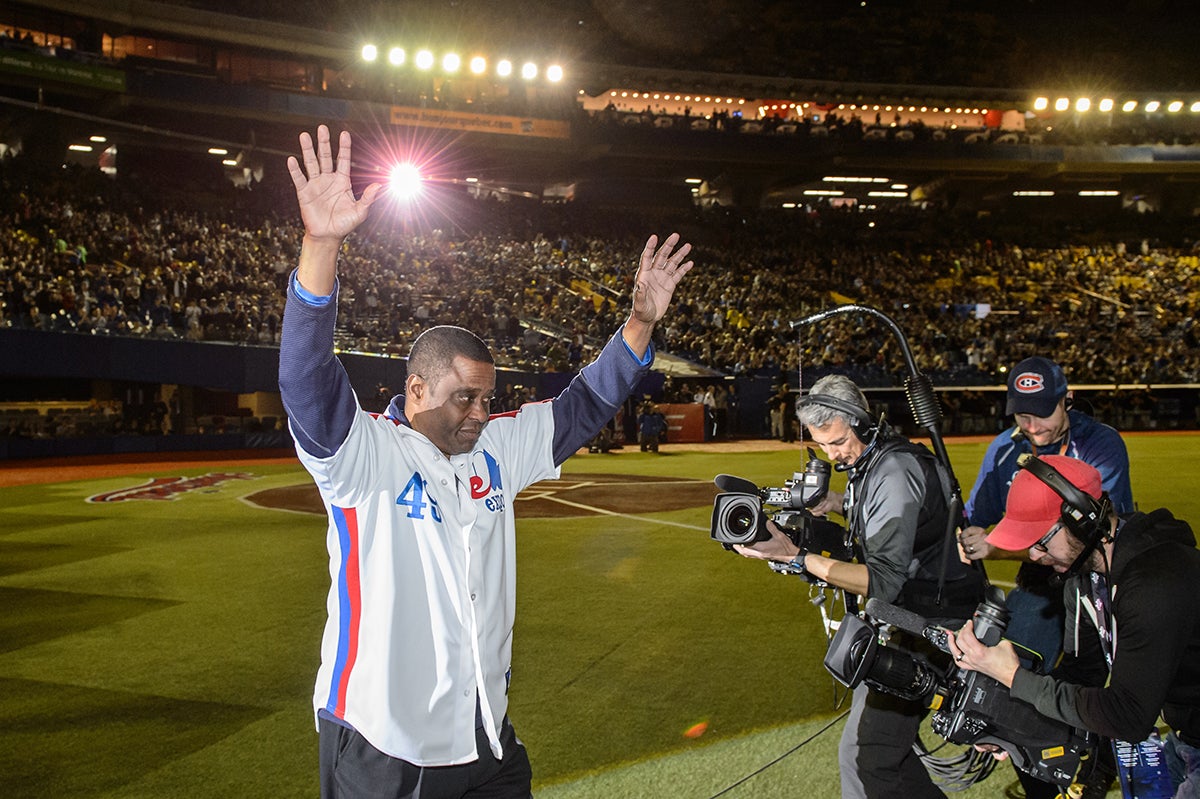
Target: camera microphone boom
<point x="737" y="485"/>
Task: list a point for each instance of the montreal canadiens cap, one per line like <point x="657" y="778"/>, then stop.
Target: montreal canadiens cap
<point x="1035" y="386"/>
<point x="1033" y="507"/>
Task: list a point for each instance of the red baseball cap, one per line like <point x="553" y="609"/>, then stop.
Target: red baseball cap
<point x="1033" y="507"/>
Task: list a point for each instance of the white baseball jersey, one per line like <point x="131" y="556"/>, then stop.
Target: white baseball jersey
<point x="423" y="566"/>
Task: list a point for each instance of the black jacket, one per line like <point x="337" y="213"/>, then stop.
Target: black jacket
<point x="897" y="512"/>
<point x="1153" y="578"/>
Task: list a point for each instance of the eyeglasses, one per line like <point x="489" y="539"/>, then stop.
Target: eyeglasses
<point x="1042" y="544"/>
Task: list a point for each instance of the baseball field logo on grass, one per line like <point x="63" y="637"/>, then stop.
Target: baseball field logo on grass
<point x="161" y="488"/>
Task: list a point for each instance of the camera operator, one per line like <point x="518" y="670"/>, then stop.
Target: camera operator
<point x="1132" y="636"/>
<point x="895" y="507"/>
<point x="1044" y="423"/>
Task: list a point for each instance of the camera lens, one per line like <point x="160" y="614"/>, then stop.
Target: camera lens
<point x="737" y="519"/>
<point x="741" y="520"/>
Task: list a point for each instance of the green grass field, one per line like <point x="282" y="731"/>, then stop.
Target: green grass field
<point x="167" y="648"/>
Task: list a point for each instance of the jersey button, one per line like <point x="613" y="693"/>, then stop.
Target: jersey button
<point x="472" y="597"/>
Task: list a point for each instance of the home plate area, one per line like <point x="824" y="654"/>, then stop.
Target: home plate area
<point x="575" y="495"/>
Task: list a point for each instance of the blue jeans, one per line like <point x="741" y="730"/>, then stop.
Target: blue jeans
<point x="1183" y="762"/>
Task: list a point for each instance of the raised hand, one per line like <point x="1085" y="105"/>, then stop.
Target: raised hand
<point x="327" y="203"/>
<point x="658" y="274"/>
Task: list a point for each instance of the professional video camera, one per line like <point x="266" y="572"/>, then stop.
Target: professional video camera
<point x="739" y="517"/>
<point x="969" y="707"/>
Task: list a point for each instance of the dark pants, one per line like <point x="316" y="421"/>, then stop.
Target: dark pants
<point x="353" y="769"/>
<point x="876" y="754"/>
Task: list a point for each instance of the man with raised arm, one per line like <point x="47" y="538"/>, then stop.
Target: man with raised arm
<point x="412" y="693"/>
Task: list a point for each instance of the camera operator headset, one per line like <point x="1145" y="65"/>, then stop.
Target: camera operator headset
<point x="1123" y="574"/>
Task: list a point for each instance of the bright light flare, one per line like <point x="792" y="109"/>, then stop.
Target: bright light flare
<point x="451" y="62"/>
<point x="504" y="68"/>
<point x="369" y="52"/>
<point x="554" y="73"/>
<point x="478" y="65"/>
<point x="424" y="59"/>
<point x="529" y="70"/>
<point x="404" y="182"/>
<point x="396" y="56"/>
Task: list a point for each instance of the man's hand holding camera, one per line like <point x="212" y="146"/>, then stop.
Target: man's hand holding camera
<point x="998" y="662"/>
<point x="832" y="502"/>
<point x="779" y="547"/>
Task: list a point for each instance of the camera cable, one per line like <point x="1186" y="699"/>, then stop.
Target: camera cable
<point x="791" y="751"/>
<point x="955" y="772"/>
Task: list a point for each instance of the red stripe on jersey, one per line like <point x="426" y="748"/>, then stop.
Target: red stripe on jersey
<point x="350" y="600"/>
<point x="391" y="419"/>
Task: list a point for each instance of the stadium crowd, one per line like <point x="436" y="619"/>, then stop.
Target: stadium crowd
<point x="81" y="253"/>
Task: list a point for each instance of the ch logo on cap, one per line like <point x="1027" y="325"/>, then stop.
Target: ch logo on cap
<point x="1029" y="383"/>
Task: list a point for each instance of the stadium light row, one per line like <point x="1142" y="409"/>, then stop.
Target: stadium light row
<point x="1107" y="104"/>
<point x="452" y="63"/>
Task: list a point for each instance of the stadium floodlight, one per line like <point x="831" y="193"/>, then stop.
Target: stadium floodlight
<point x="217" y="151"/>
<point x="98" y="139"/>
<point x="424" y="60"/>
<point x="1106" y="105"/>
<point x="1129" y="106"/>
<point x="80" y="148"/>
<point x="451" y="62"/>
<point x="554" y="73"/>
<point x="478" y="65"/>
<point x="1175" y="107"/>
<point x="1195" y="109"/>
<point x="1062" y="104"/>
<point x="369" y="52"/>
<point x="229" y="162"/>
<point x="504" y="68"/>
<point x="404" y="181"/>
<point x="1152" y="106"/>
<point x="396" y="56"/>
<point x="1083" y="105"/>
<point x="529" y="70"/>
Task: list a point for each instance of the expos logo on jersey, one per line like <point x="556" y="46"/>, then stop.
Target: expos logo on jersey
<point x="485" y="481"/>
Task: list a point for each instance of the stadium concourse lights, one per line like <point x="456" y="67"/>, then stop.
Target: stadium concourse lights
<point x="1083" y="105"/>
<point x="852" y="179"/>
<point x="451" y="63"/>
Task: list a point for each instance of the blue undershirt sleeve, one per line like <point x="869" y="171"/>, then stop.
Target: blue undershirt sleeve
<point x="315" y="389"/>
<point x="594" y="396"/>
